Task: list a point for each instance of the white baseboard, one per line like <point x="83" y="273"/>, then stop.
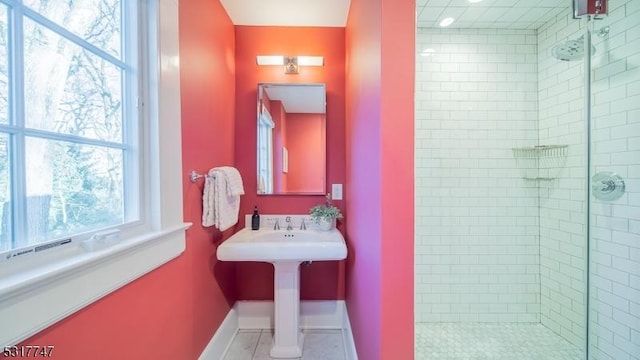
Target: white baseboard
<point x="222" y="338"/>
<point x="313" y="314"/>
<point x="347" y="336"/>
<point x="330" y="314"/>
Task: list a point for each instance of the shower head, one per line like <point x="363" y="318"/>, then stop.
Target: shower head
<point x="568" y="50"/>
<point x="574" y="49"/>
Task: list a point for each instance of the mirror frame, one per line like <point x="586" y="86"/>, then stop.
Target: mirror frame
<point x="269" y="159"/>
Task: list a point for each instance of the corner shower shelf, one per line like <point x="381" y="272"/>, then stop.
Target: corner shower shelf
<point x="541" y="151"/>
<point x="540" y="162"/>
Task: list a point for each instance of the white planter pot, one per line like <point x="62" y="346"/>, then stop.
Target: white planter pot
<point x="326" y="225"/>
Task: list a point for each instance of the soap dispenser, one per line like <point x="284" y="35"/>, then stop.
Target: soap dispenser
<point x="255" y="219"/>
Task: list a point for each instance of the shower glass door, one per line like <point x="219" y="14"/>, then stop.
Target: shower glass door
<point x="614" y="186"/>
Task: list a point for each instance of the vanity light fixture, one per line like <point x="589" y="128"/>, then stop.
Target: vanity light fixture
<point x="290" y="63"/>
<point x="310" y="60"/>
<point x="270" y="60"/>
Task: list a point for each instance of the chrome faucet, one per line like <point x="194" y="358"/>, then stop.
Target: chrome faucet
<point x="288" y="220"/>
<point x="303" y="226"/>
<point x="276" y="225"/>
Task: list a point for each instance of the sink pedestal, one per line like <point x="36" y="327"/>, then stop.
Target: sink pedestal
<point x="286" y="250"/>
<point x="288" y="339"/>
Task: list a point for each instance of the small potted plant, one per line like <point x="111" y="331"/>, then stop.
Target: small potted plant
<point x="326" y="214"/>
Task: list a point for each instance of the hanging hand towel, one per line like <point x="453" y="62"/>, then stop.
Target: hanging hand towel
<point x="208" y="201"/>
<point x="234" y="184"/>
<point x="221" y="197"/>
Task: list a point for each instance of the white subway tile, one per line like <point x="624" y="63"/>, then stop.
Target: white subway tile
<point x="504" y="111"/>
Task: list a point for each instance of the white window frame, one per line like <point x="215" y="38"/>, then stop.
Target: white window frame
<point x="265" y="152"/>
<point x="38" y="290"/>
<point x="133" y="212"/>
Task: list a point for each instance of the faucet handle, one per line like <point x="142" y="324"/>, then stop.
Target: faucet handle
<point x="276" y="225"/>
<point x="303" y="226"/>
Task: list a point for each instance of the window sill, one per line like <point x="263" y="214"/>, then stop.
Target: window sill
<point x="32" y="300"/>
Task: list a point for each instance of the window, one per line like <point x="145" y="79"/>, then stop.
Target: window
<point x="265" y="152"/>
<point x="68" y="119"/>
<point x="73" y="275"/>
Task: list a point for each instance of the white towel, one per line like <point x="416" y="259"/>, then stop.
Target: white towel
<point x="221" y="197"/>
<point x="233" y="180"/>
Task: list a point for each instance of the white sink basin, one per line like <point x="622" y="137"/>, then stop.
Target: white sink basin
<point x="282" y="245"/>
<point x="285" y="249"/>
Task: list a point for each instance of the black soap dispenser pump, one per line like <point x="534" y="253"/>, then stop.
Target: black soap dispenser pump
<point x="255" y="219"/>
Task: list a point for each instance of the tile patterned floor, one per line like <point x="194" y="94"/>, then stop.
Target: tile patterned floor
<point x="255" y="345"/>
<point x="478" y="341"/>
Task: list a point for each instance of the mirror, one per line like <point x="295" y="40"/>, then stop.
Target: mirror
<point x="291" y="140"/>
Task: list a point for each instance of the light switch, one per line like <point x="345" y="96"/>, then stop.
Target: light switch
<point x="336" y="191"/>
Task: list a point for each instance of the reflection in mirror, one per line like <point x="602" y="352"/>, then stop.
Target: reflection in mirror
<point x="291" y="140"/>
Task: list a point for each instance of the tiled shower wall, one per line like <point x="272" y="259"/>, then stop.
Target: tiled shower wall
<point x="562" y="200"/>
<point x="477" y="250"/>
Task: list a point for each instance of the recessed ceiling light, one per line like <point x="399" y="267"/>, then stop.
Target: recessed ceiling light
<point x="474" y="1"/>
<point x="427" y="52"/>
<point x="447" y="21"/>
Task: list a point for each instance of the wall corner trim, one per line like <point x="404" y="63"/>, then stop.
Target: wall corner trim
<point x="217" y="347"/>
<point x="347" y="336"/>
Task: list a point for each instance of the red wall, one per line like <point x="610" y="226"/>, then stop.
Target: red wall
<point x="306" y="135"/>
<point x="397" y="150"/>
<point x="172" y="312"/>
<point x="321" y="280"/>
<point x="207" y="47"/>
<point x="380" y="89"/>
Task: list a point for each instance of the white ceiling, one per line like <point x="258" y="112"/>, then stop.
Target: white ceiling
<point x="298" y="98"/>
<point x="331" y="13"/>
<point x="504" y="14"/>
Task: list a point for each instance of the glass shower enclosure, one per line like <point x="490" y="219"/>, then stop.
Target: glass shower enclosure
<point x="527" y="181"/>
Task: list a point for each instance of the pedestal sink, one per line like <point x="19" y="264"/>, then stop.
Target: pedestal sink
<point x="285" y="249"/>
